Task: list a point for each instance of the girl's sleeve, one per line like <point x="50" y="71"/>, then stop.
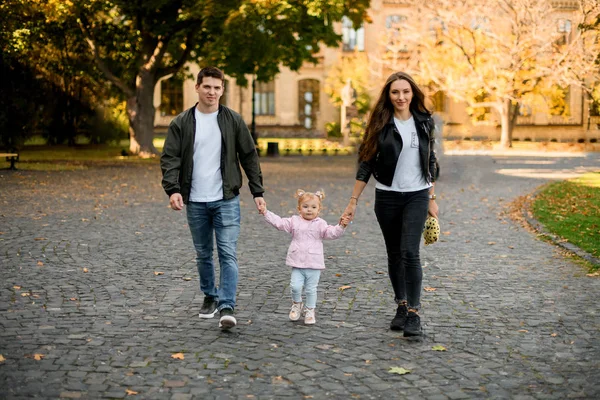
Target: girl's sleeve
<point x="331" y="231"/>
<point x="283" y="224"/>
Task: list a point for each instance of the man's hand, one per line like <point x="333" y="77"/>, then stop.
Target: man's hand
<point x="176" y="201"/>
<point x="261" y="205"/>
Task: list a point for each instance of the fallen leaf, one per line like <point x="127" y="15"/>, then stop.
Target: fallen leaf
<point x="38" y="356"/>
<point x="523" y="330"/>
<point x="158" y="273"/>
<point x="439" y="347"/>
<point x="338" y="275"/>
<point x="342" y="288"/>
<point x="86" y="270"/>
<point x="399" y="371"/>
<point x="40" y="264"/>
<point x="2" y="359"/>
<point x="25" y="294"/>
<point x="130" y="392"/>
<point x="511" y="247"/>
<point x="40" y="238"/>
<point x="16" y="287"/>
<point x="491" y="243"/>
<point x="430" y="289"/>
<point x="187" y="279"/>
<point x="554" y="334"/>
<point x="73" y="298"/>
<point x="178" y="356"/>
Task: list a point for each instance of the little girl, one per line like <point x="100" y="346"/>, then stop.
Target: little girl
<point x="305" y="254"/>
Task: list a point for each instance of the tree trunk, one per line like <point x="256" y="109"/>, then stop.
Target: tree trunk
<point x="506" y="131"/>
<point x="140" y="109"/>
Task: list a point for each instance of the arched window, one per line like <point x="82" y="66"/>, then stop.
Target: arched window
<point x="308" y="102"/>
<point x="439" y="101"/>
<point x="171" y="96"/>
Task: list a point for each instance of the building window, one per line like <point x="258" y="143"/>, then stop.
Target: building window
<point x="437" y="28"/>
<point x="308" y="102"/>
<point x="563" y="27"/>
<point x="559" y="101"/>
<point x="352" y="39"/>
<point x="171" y="97"/>
<point x="264" y="98"/>
<point x="439" y="101"/>
<point x="480" y="23"/>
<point x="223" y="99"/>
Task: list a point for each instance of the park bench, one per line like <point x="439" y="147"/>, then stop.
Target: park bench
<point x="13" y="157"/>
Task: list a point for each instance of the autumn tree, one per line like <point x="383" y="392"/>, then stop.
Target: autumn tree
<point x="489" y="53"/>
<point x="135" y="44"/>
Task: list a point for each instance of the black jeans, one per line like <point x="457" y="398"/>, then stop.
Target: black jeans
<point x="401" y="217"/>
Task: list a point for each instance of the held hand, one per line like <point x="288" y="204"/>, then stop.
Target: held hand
<point x="344" y="220"/>
<point x="349" y="212"/>
<point x="433" y="209"/>
<point x="176" y="201"/>
<point x="261" y="205"/>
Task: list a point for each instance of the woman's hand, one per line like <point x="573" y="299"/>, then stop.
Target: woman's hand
<point x="349" y="211"/>
<point x="433" y="209"/>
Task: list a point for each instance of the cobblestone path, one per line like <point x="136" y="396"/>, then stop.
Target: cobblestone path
<point x="98" y="289"/>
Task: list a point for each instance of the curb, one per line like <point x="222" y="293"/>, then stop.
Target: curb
<point x="557" y="240"/>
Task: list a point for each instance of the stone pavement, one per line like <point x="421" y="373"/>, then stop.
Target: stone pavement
<point x="98" y="289"/>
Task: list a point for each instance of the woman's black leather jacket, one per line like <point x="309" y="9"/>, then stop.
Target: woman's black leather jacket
<point x="383" y="165"/>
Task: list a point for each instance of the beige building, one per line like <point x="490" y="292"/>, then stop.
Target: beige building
<point x="295" y="104"/>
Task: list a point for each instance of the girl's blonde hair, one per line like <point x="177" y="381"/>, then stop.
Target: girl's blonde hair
<point x="302" y="195"/>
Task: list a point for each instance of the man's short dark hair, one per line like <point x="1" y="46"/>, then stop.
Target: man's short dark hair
<point x="213" y="72"/>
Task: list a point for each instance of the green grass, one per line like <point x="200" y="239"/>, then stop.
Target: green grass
<point x="571" y="210"/>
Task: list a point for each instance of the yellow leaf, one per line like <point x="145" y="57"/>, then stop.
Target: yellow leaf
<point x="491" y="243"/>
<point x="39" y="263"/>
<point x="16" y="287"/>
<point x="187" y="279"/>
<point x="438" y="348"/>
<point x="554" y="334"/>
<point x="178" y="356"/>
<point x="2" y="359"/>
<point x="38" y="356"/>
<point x="523" y="330"/>
<point x="73" y="298"/>
<point x="342" y="288"/>
<point x="130" y="392"/>
<point x="158" y="273"/>
<point x="338" y="275"/>
<point x="25" y="294"/>
<point x="86" y="270"/>
<point x="430" y="289"/>
<point x="399" y="371"/>
<point x="39" y="238"/>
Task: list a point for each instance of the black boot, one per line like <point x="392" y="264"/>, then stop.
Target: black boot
<point x="399" y="320"/>
<point x="413" y="325"/>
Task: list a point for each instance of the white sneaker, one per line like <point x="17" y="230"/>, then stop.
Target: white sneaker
<point x="309" y="316"/>
<point x="296" y="311"/>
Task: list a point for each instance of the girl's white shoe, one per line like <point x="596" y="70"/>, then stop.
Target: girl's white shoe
<point x="296" y="311"/>
<point x="309" y="316"/>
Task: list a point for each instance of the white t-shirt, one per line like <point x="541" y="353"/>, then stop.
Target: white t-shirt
<point x="207" y="182"/>
<point x="408" y="176"/>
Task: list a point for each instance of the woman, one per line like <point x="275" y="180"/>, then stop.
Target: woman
<point x="397" y="150"/>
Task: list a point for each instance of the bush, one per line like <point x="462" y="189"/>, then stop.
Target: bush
<point x="333" y="129"/>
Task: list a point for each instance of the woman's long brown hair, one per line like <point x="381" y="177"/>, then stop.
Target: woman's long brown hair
<point x="383" y="112"/>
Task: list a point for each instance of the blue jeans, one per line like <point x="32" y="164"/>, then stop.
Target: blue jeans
<point x="401" y="217"/>
<point x="309" y="279"/>
<point x="223" y="218"/>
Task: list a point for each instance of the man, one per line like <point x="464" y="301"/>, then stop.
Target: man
<point x="200" y="169"/>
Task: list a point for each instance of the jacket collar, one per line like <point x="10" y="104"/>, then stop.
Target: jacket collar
<point x="419" y="117"/>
